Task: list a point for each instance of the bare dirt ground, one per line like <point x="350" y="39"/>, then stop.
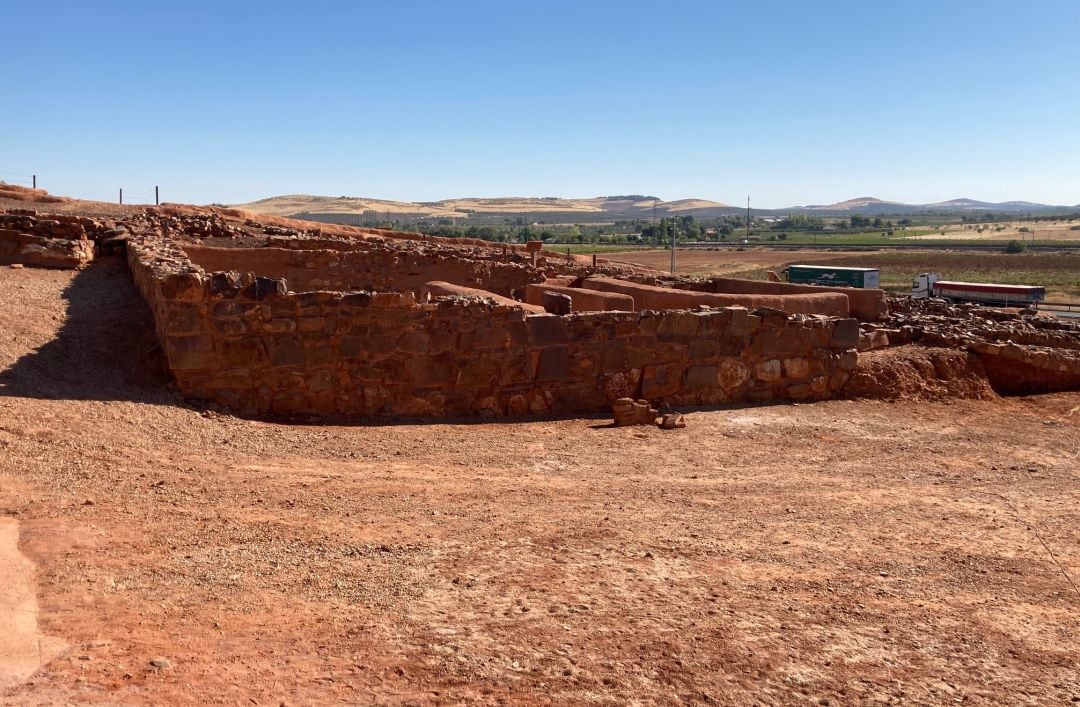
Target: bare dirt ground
<point x="722" y="261"/>
<point x="841" y="553"/>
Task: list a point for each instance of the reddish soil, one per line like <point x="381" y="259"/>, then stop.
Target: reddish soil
<point x="919" y="373"/>
<point x="845" y="552"/>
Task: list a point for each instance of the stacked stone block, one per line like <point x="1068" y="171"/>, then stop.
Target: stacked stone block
<point x="249" y="344"/>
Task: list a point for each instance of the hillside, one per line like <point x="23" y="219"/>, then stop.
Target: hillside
<point x="615" y="207"/>
<point x="605" y="208"/>
<point x="873" y="205"/>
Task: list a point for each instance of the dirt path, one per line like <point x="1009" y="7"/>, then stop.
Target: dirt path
<point x="848" y="552"/>
<point x="23" y="649"/>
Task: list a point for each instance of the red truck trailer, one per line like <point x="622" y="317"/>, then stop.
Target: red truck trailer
<point x="931" y="285"/>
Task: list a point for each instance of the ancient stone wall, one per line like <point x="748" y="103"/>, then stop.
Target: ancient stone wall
<point x="581" y="299"/>
<point x="437" y="288"/>
<point x="246" y="343"/>
<point x="54" y="242"/>
<point x="383" y="270"/>
<point x="865" y="305"/>
<point x="655" y="297"/>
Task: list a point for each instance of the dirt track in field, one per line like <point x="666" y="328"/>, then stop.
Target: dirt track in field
<point x="848" y="552"/>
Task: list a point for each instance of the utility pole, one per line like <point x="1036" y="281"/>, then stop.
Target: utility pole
<point x="747" y="218"/>
<point x="674" y="229"/>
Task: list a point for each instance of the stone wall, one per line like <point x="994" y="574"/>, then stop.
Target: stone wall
<point x="865" y="305"/>
<point x="54" y="242"/>
<point x="655" y="297"/>
<point x="1022" y="354"/>
<point x="437" y="288"/>
<point x="246" y="343"/>
<point x="582" y="300"/>
<point x="388" y="266"/>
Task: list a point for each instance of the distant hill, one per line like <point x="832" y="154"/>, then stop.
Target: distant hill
<point x="873" y="205"/>
<point x="601" y="208"/>
<point x="613" y="207"/>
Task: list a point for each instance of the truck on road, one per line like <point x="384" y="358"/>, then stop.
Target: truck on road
<point x="930" y="284"/>
<point x="834" y="276"/>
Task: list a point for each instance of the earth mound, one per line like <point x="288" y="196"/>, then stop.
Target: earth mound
<point x="918" y="373"/>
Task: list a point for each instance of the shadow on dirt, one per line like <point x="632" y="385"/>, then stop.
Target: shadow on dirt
<point x="106" y="349"/>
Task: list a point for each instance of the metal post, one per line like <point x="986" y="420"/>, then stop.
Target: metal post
<point x="747" y="218"/>
<point x="157" y="201"/>
<point x="674" y="229"/>
<point x="35" y="181"/>
<point x="121" y="195"/>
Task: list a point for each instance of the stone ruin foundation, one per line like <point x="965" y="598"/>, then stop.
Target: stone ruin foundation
<point x="267" y="320"/>
<point x="343" y="333"/>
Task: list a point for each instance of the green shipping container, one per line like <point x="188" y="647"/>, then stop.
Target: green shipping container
<point x="863" y="278"/>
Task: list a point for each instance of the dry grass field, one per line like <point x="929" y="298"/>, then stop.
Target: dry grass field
<point x="722" y="261"/>
<point x="837" y="553"/>
<point x="1061" y="230"/>
<point x="1058" y="272"/>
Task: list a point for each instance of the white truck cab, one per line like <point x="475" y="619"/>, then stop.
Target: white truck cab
<point x="924" y="284"/>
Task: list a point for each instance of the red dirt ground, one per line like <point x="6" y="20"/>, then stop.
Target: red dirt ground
<point x="838" y="553"/>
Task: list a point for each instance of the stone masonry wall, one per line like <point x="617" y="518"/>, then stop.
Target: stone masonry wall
<point x="383" y="270"/>
<point x="245" y="343"/>
<point x="865" y="305"/>
<point x="56" y="242"/>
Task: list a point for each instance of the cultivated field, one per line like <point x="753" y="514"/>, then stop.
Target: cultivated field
<point x="842" y="553"/>
<point x="1058" y="272"/>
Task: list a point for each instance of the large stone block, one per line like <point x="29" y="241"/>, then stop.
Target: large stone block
<point x="702" y="349"/>
<point x="478" y="373"/>
<point x="621" y="385"/>
<point x="613" y="356"/>
<point x="796" y="367"/>
<point x="845" y="334"/>
<point x="554" y="364"/>
<point x="660" y="381"/>
<point x="183" y="287"/>
<point x="547" y="330"/>
<point x="286" y="351"/>
<point x="732" y="373"/>
<point x="678" y="324"/>
<point x="768" y="371"/>
<point x="185" y="318"/>
<point x="431" y="372"/>
<point x="246" y="352"/>
<point x="702" y="377"/>
<point x="189" y="352"/>
<point x="414" y="342"/>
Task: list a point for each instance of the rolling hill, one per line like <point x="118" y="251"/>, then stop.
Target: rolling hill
<point x="601" y="208"/>
<point x="613" y="207"/>
<point x="873" y="205"/>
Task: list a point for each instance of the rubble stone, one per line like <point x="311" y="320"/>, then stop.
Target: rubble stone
<point x="628" y="411"/>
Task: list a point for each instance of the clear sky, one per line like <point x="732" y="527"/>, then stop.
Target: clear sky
<point x="793" y="102"/>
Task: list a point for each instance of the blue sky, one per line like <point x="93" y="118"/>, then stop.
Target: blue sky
<point x="791" y="102"/>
